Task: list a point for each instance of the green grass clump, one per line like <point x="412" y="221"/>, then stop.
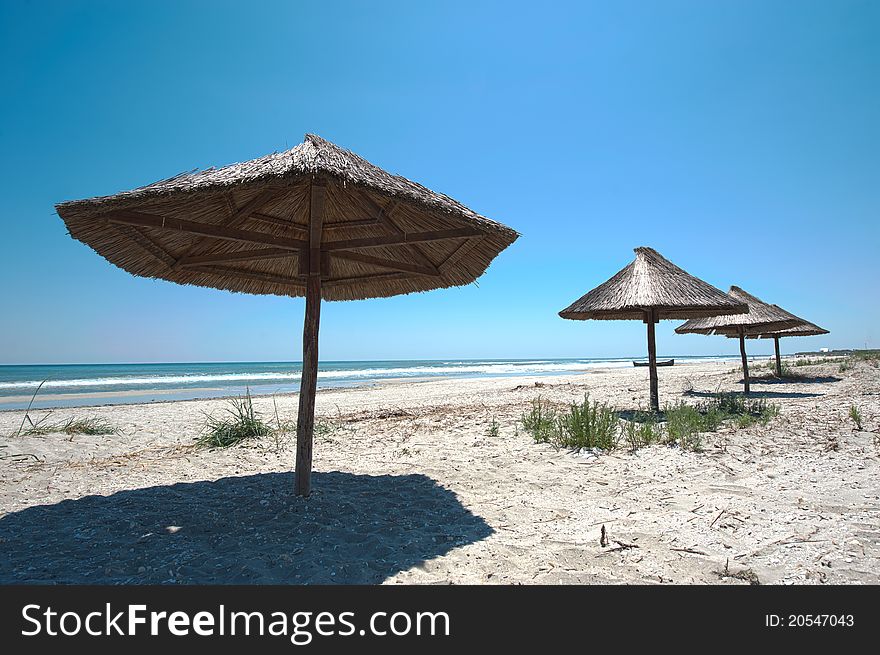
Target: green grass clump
<point x="806" y="361"/>
<point x="644" y="431"/>
<point x="239" y="423"/>
<point x="787" y="371"/>
<point x="540" y="421"/>
<point x="870" y="357"/>
<point x="755" y="410"/>
<point x="492" y="430"/>
<point x="596" y="425"/>
<point x="90" y="425"/>
<point x="324" y="429"/>
<point x="740" y="409"/>
<point x="588" y="425"/>
<point x="785" y="368"/>
<point x="856" y="416"/>
<point x="684" y="423"/>
<point x="582" y="425"/>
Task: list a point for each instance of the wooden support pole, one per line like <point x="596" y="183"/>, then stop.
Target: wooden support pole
<point x="778" y="358"/>
<point x="745" y="359"/>
<point x="305" y="421"/>
<point x="651" y="320"/>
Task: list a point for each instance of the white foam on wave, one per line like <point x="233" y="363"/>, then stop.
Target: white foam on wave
<point x="534" y="367"/>
<point x="487" y="368"/>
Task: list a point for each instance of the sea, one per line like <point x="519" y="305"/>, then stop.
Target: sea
<point x="72" y="385"/>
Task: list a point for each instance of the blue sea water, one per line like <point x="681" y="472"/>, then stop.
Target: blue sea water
<point x="98" y="384"/>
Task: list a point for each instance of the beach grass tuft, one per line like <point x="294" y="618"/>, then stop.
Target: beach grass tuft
<point x="90" y="425"/>
<point x="582" y="425"/>
<point x="596" y="425"/>
<point x="786" y="368"/>
<point x="240" y="423"/>
<point x="807" y="361"/>
<point x="587" y="425"/>
<point x="642" y="431"/>
<point x="744" y="411"/>
<point x="492" y="430"/>
<point x="684" y="423"/>
<point x="856" y="416"/>
<point x="323" y="429"/>
<point x="540" y="421"/>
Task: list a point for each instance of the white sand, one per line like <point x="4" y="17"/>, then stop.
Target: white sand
<point x="409" y="488"/>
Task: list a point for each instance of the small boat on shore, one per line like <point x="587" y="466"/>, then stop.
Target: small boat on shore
<point x="665" y="362"/>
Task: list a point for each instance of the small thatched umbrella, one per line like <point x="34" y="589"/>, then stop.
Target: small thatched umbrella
<point x="762" y="317"/>
<point x="315" y="221"/>
<point x="805" y="329"/>
<point x="650" y="289"/>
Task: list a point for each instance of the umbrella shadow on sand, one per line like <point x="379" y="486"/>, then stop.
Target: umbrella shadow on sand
<point x="357" y="529"/>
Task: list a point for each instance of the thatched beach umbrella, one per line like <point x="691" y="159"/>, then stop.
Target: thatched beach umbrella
<point x="315" y="221"/>
<point x="650" y="289"/>
<point x="804" y="329"/>
<point x="761" y="317"/>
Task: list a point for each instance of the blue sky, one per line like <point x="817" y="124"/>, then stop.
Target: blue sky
<point x="740" y="139"/>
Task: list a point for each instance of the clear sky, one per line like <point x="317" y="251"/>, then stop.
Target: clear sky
<point x="740" y="139"/>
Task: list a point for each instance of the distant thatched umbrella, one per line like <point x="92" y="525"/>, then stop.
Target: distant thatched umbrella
<point x="805" y="329"/>
<point x="650" y="289"/>
<point x="315" y="221"/>
<point x="762" y="317"/>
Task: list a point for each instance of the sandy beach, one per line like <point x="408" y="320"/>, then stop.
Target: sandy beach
<point x="410" y="488"/>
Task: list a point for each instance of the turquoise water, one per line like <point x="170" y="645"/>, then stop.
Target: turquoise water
<point x="95" y="384"/>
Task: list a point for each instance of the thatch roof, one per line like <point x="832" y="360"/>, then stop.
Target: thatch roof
<point x="762" y="317"/>
<point x="243" y="226"/>
<point x="652" y="282"/>
<point x="805" y="329"/>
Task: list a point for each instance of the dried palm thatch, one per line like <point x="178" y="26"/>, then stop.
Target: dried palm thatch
<point x="652" y="283"/>
<point x="245" y="227"/>
<point x="805" y="329"/>
<point x="649" y="289"/>
<point x="762" y="317"/>
<point x="315" y="221"/>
